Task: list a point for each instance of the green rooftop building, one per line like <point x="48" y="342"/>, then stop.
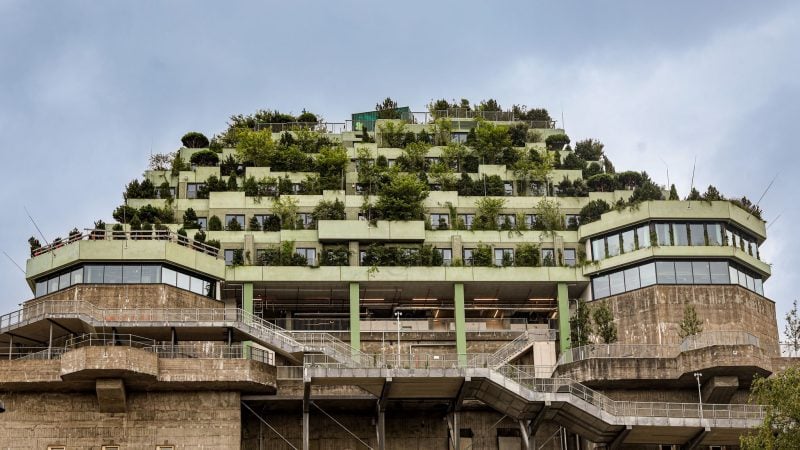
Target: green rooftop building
<point x="457" y="279"/>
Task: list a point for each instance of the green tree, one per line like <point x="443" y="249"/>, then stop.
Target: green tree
<point x="286" y="209"/>
<point x="593" y="210"/>
<point x="792" y="331"/>
<point x="580" y="326"/>
<point x="780" y="394"/>
<point x="691" y="324"/>
<point x="492" y="142"/>
<point x="589" y="149"/>
<point x="673" y="193"/>
<point x="190" y="219"/>
<point x="255" y="147"/>
<point x="329" y="210"/>
<point x="402" y="198"/>
<point x="604" y="321"/>
<point x="548" y="216"/>
<point x="387" y="109"/>
<point x="194" y="139"/>
<point x="214" y="224"/>
<point x="487" y="210"/>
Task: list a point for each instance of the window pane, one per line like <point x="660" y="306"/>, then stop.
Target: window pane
<point x="679" y="234"/>
<point x="647" y="274"/>
<point x="701" y="272"/>
<point x="93" y="274"/>
<point x="697" y="234"/>
<point x="632" y="279"/>
<point x="683" y="272"/>
<point x="616" y="283"/>
<point x="759" y="286"/>
<point x="613" y="245"/>
<point x="734" y="274"/>
<point x="600" y="287"/>
<point x="742" y="278"/>
<point x="662" y="234"/>
<point x="151" y="274"/>
<point x="750" y="284"/>
<point x="113" y="275"/>
<point x="569" y="257"/>
<point x="598" y="249"/>
<point x="719" y="272"/>
<point x="184" y="281"/>
<point x="41" y="288"/>
<point x="77" y="276"/>
<point x="132" y="274"/>
<point x="548" y="257"/>
<point x="168" y="276"/>
<point x="52" y="285"/>
<point x="643" y="236"/>
<point x="197" y="286"/>
<point x="665" y="272"/>
<point x="628" y="244"/>
<point x="714" y="231"/>
<point x="63" y="281"/>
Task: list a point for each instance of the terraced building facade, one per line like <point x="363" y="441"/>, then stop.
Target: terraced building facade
<point x="416" y="283"/>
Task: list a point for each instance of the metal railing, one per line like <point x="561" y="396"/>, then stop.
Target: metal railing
<point x="322" y="127"/>
<point x="508" y="351"/>
<point x="789" y="350"/>
<point x="711" y="338"/>
<point x="340" y="324"/>
<point x="465" y="113"/>
<point x="140" y="235"/>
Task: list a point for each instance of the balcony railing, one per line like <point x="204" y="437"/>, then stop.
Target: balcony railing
<point x="106" y="235"/>
<point x="322" y="127"/>
<point x="340" y="324"/>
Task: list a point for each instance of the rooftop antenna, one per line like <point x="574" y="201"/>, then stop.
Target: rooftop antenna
<point x="694" y="166"/>
<point x="765" y="192"/>
<point x="774" y="220"/>
<point x="669" y="186"/>
<point x="37" y="226"/>
<point x="14" y="262"/>
<point x="563" y="124"/>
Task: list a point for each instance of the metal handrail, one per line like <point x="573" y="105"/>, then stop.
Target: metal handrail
<point x="326" y="127"/>
<point x="137" y="235"/>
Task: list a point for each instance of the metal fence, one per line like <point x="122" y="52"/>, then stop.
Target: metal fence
<point x="322" y="127"/>
<point x="139" y="235"/>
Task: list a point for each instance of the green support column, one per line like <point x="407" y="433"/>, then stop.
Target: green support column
<point x="355" y="318"/>
<point x="461" y="333"/>
<point x="563" y="317"/>
<point x="247" y="306"/>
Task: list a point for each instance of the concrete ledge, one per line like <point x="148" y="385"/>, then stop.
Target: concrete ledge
<point x="108" y="362"/>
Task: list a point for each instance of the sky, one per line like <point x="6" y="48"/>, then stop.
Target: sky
<point x="89" y="89"/>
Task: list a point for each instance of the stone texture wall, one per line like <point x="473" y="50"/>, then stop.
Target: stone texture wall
<point x="132" y="296"/>
<point x="652" y="315"/>
<point x="188" y="420"/>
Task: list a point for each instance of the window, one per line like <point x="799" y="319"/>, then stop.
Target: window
<point x="169" y="276"/>
<point x="56" y="447"/>
<point x="663" y="234"/>
<point x="719" y="272"/>
<point x="701" y="272"/>
<point x="239" y="218"/>
<point x="94" y="274"/>
<point x="503" y="256"/>
<point x="643" y="236"/>
<point x="362" y="254"/>
<point x="309" y="253"/>
<point x="714" y="231"/>
<point x="506" y="221"/>
<point x="632" y="280"/>
<point x="572" y="221"/>
<point x="202" y="222"/>
<point x="52" y="285"/>
<point x="229" y="256"/>
<point x="679" y="234"/>
<point x="468" y="253"/>
<point x="112" y="275"/>
<point x="569" y="257"/>
<point x="110" y="447"/>
<point x="467" y="219"/>
<point x="64" y="280"/>
<point x="508" y="188"/>
<point x="361" y="188"/>
<point x="132" y="274"/>
<point x="600" y="287"/>
<point x="628" y="242"/>
<point x="683" y="272"/>
<point x="41" y="288"/>
<point x="192" y="189"/>
<point x="305" y="220"/>
<point x="530" y="221"/>
<point x="548" y="257"/>
<point x="698" y="234"/>
<point x="612" y="243"/>
<point x="647" y="274"/>
<point x="598" y="249"/>
<point x="537" y="188"/>
<point x="165" y="447"/>
<point x="447" y="255"/>
<point x="184" y="281"/>
<point x="440" y="221"/>
<point x="665" y="272"/>
<point x="151" y="274"/>
<point x="616" y="282"/>
<point x="461" y="138"/>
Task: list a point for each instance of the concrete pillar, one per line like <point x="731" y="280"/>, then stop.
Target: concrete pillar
<point x="563" y="317"/>
<point x="355" y="318"/>
<point x="354" y="247"/>
<point x="305" y="431"/>
<point x="249" y="248"/>
<point x="460" y="315"/>
<point x="247" y="306"/>
<point x="456" y="430"/>
<point x="381" y="430"/>
<point x="457" y="246"/>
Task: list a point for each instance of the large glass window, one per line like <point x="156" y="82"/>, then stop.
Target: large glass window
<point x="503" y="256"/>
<point x="600" y="286"/>
<point x="612" y="243"/>
<point x="632" y="279"/>
<point x="616" y="282"/>
<point x="151" y="274"/>
<point x="683" y="272"/>
<point x="569" y="257"/>
<point x="647" y="274"/>
<point x="628" y="242"/>
<point x="238" y="218"/>
<point x="310" y="255"/>
<point x="663" y="234"/>
<point x="52" y="285"/>
<point x="306" y="220"/>
<point x="548" y="257"/>
<point x="169" y="276"/>
<point x="112" y="275"/>
<point x="697" y="234"/>
<point x="665" y="272"/>
<point x="446" y="254"/>
<point x="184" y="281"/>
<point x="701" y="272"/>
<point x="643" y="236"/>
<point x="64" y="280"/>
<point x="468" y="253"/>
<point x="94" y="274"/>
<point x="679" y="234"/>
<point x="598" y="249"/>
<point x="192" y="189"/>
<point x="719" y="272"/>
<point x="467" y="219"/>
<point x="132" y="274"/>
<point x="440" y="221"/>
<point x="77" y="276"/>
<point x="714" y="231"/>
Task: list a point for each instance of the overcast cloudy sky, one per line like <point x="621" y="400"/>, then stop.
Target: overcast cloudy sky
<point x="88" y="89"/>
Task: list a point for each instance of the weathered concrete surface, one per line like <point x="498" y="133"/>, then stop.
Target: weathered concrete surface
<point x="131" y="296"/>
<point x="110" y="395"/>
<point x="719" y="389"/>
<point x="188" y="420"/>
<point x="108" y="362"/>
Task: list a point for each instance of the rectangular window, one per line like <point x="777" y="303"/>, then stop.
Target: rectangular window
<point x="628" y="243"/>
<point x="731" y="237"/>
<point x="714" y="231"/>
<point x="93" y="274"/>
<point x="202" y="222"/>
<point x="733" y="274"/>
<point x="184" y="281"/>
<point x="600" y="287"/>
<point x="309" y="253"/>
<point x="446" y="254"/>
<point x="52" y="285"/>
<point x="679" y="234"/>
<point x="56" y="447"/>
<point x="238" y="218"/>
<point x="612" y="244"/>
<point x="719" y="272"/>
<point x="598" y="249"/>
<point x="165" y="447"/>
<point x="572" y="221"/>
<point x="662" y="234"/>
<point x="701" y="272"/>
<point x="440" y="221"/>
<point x="548" y="257"/>
<point x="41" y="288"/>
<point x="616" y="282"/>
<point x="77" y="276"/>
<point x="191" y="189"/>
<point x="530" y="221"/>
<point x="131" y="274"/>
<point x="742" y="279"/>
<point x="468" y="253"/>
<point x="197" y="285"/>
<point x="569" y="257"/>
<point x="632" y="279"/>
<point x="64" y="280"/>
<point x="506" y="221"/>
<point x="665" y="272"/>
<point x="151" y="274"/>
<point x="647" y="274"/>
<point x="113" y="275"/>
<point x="467" y="219"/>
<point x="759" y="286"/>
<point x="362" y="254"/>
<point x="229" y="257"/>
<point x="110" y="447"/>
<point x="698" y="234"/>
<point x="643" y="236"/>
<point x="508" y="188"/>
<point x="503" y="256"/>
<point x="683" y="272"/>
<point x="305" y="220"/>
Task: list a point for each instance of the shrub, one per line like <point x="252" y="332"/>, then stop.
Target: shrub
<point x="556" y="141"/>
<point x="194" y="139"/>
<point x="234" y="225"/>
<point x="329" y="210"/>
<point x="589" y="149"/>
<point x="487" y="211"/>
<point x="204" y="158"/>
<point x="527" y="255"/>
<point x="337" y="256"/>
<point x="573" y="162"/>
<point x="482" y="256"/>
<point x="213" y="243"/>
<point x="593" y="210"/>
<point x="602" y="183"/>
<point x="214" y="224"/>
<point x="402" y="199"/>
<point x="190" y="219"/>
<point x="253" y="224"/>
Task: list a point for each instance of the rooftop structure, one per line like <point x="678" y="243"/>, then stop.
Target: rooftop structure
<point x="438" y="280"/>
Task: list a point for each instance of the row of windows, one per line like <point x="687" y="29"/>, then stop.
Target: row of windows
<point x="442" y="220"/>
<point x="124" y="274"/>
<point x="674" y="272"/>
<point x="668" y="234"/>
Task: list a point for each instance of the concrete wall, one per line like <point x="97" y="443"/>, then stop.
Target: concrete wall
<point x="132" y="296"/>
<point x="188" y="420"/>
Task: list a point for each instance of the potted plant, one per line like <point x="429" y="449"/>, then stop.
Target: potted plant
<point x="99" y="231"/>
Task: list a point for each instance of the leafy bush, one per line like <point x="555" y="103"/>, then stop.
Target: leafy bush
<point x="573" y="162"/>
<point x="329" y="210"/>
<point x="234" y="225"/>
<point x="336" y="256"/>
<point x="556" y="141"/>
<point x="214" y="224"/>
<point x="194" y="139"/>
<point x="589" y="149"/>
<point x="402" y="199"/>
<point x="526" y="255"/>
<point x="487" y="211"/>
<point x="602" y="183"/>
<point x="482" y="256"/>
<point x="204" y="158"/>
<point x="593" y="210"/>
<point x="190" y="219"/>
<point x="647" y="191"/>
